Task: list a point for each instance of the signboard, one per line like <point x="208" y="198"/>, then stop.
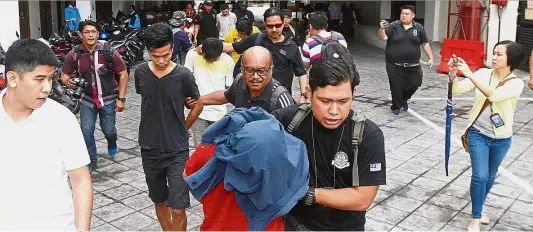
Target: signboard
<point x="528" y="14"/>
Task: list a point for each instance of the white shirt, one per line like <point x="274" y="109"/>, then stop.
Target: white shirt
<point x="226" y="23"/>
<point x="36" y="155"/>
<point x="211" y="78"/>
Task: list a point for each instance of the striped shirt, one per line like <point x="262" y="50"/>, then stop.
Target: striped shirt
<point x="311" y="50"/>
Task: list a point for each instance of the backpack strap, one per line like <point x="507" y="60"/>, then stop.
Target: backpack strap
<point x="298" y="117"/>
<point x="334" y="35"/>
<point x="319" y="39"/>
<point x="257" y="41"/>
<point x="358" y="128"/>
<point x="275" y="97"/>
<point x="108" y="56"/>
<point x="75" y="65"/>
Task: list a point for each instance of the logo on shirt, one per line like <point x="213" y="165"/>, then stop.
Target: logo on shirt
<point x="283" y="52"/>
<point x="341" y="160"/>
<point x="415" y="32"/>
<point x="376" y="167"/>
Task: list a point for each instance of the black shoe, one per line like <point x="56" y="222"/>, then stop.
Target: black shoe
<point x="394" y="110"/>
<point x="405" y="105"/>
<point x="92" y="166"/>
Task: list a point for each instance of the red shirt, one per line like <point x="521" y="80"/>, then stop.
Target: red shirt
<point x="221" y="211"/>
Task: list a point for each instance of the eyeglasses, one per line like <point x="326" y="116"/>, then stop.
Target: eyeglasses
<point x="252" y="72"/>
<point x="270" y="26"/>
<point x="90" y="32"/>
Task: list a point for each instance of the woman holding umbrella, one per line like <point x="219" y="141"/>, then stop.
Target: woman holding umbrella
<point x="489" y="132"/>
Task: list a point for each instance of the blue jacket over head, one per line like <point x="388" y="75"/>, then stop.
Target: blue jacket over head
<point x="267" y="167"/>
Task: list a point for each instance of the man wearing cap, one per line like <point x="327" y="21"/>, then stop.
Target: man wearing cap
<point x="243" y="13"/>
<point x="225" y="21"/>
<point x="205" y="24"/>
<point x="288" y="29"/>
<point x="181" y="38"/>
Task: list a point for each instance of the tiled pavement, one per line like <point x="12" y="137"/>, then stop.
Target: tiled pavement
<point x="418" y="194"/>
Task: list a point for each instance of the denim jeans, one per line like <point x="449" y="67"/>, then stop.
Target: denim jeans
<point x="486" y="155"/>
<point x="107" y="116"/>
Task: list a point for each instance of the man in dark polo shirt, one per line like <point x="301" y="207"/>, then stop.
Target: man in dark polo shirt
<point x="205" y="24"/>
<point x="402" y="55"/>
<point x="163" y="138"/>
<point x="285" y="53"/>
<point x="255" y="87"/>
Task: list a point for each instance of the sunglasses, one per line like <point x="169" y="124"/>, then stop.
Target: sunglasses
<point x="270" y="26"/>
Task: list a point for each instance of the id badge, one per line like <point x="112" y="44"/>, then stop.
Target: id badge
<point x="497" y="120"/>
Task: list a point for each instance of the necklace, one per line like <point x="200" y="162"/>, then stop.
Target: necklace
<point x="314" y="151"/>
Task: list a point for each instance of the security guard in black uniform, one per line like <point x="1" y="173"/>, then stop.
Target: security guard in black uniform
<point x="402" y="55"/>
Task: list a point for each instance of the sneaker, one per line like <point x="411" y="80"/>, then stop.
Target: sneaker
<point x="396" y="111"/>
<point x="474" y="225"/>
<point x="92" y="165"/>
<point x="405" y="105"/>
<point x="112" y="151"/>
<point x="484" y="219"/>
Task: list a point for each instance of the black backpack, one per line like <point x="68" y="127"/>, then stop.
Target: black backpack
<point x="332" y="49"/>
<point x="359" y="120"/>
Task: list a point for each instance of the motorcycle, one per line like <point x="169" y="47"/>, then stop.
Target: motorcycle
<point x="3" y="81"/>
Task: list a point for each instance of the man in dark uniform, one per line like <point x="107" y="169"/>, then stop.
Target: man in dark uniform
<point x="243" y="13"/>
<point x="205" y="24"/>
<point x="256" y="87"/>
<point x="402" y="55"/>
<point x="288" y="29"/>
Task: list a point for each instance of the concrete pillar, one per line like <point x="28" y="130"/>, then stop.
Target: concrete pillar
<point x="10" y="13"/>
<point x="87" y="9"/>
<point x="385" y="8"/>
<point x="35" y="19"/>
<point x="53" y="11"/>
<point x="507" y="27"/>
<point x="436" y="19"/>
<point x="121" y="5"/>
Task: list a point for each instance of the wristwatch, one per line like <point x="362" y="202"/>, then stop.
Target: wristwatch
<point x="304" y="94"/>
<point x="309" y="198"/>
<point x="122" y="99"/>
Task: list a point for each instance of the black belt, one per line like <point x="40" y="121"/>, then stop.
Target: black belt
<point x="407" y="65"/>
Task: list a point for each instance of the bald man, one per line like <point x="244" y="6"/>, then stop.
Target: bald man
<point x="254" y="87"/>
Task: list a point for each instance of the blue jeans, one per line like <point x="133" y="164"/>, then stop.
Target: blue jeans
<point x="486" y="155"/>
<point x="107" y="116"/>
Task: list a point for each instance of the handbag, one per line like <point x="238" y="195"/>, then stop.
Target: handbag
<point x="464" y="137"/>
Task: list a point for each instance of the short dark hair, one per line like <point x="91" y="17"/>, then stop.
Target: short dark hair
<point x="515" y="53"/>
<point x="212" y="48"/>
<point x="244" y="26"/>
<point x="332" y="72"/>
<point x="25" y="55"/>
<point x="318" y="19"/>
<point x="224" y="6"/>
<point x="286" y="12"/>
<point x="85" y="23"/>
<point x="273" y="12"/>
<point x="408" y="7"/>
<point x="132" y="7"/>
<point x="158" y="36"/>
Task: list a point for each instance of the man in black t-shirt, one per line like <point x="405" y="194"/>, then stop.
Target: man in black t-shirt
<point x="243" y="13"/>
<point x="334" y="200"/>
<point x="205" y="24"/>
<point x="256" y="87"/>
<point x="402" y="55"/>
<point x="163" y="136"/>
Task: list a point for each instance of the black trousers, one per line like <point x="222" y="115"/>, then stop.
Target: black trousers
<point x="403" y="81"/>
